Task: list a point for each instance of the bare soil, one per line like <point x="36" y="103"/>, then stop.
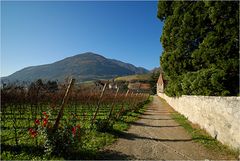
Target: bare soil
<point x="156" y="136"/>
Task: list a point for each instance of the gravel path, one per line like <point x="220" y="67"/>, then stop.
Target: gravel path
<point x="157" y="136"/>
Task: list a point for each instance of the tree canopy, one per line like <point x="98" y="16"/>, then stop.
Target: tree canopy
<point x="201" y="47"/>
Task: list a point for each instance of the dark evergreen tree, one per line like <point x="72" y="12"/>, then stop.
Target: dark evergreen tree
<point x="153" y="80"/>
<point x="201" y="47"/>
<point x="52" y="86"/>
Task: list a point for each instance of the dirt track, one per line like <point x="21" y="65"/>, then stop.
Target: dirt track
<point x="156" y="136"/>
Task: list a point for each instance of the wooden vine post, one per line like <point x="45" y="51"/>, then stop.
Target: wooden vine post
<point x="135" y="101"/>
<point x="64" y="102"/>
<point x="131" y="104"/>
<point x="122" y="108"/>
<point x="113" y="104"/>
<point x="98" y="103"/>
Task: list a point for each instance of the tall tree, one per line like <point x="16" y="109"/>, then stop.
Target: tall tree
<point x="201" y="44"/>
<point x="153" y="80"/>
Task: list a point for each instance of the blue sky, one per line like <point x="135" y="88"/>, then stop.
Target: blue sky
<point x="35" y="33"/>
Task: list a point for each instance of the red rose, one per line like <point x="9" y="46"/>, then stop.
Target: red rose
<point x="32" y="132"/>
<point x="45" y="121"/>
<point x="45" y="114"/>
<point x="37" y="122"/>
<point x="74" y="129"/>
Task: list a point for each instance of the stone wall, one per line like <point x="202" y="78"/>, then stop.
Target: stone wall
<point x="219" y="116"/>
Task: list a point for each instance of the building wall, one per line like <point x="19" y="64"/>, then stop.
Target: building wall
<point x="219" y="116"/>
<point x="160" y="88"/>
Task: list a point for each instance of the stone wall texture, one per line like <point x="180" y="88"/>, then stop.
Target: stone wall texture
<point x="219" y="116"/>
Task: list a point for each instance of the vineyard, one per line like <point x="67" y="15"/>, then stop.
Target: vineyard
<point x="62" y="121"/>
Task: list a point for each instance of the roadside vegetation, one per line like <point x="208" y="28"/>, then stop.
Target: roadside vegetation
<point x="201" y="136"/>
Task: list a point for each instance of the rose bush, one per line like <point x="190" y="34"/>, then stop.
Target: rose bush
<point x="66" y="139"/>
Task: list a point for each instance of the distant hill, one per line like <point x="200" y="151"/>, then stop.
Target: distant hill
<point x="139" y="77"/>
<point x="135" y="78"/>
<point x="156" y="69"/>
<point x="83" y="67"/>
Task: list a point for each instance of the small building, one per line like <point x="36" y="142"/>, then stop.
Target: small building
<point x="161" y="83"/>
<point x="99" y="84"/>
<point x="112" y="85"/>
<point x="140" y="87"/>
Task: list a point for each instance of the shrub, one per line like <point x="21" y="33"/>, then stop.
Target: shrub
<point x="104" y="125"/>
<point x="64" y="140"/>
<point x="208" y="82"/>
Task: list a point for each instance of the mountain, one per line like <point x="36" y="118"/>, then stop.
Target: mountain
<point x="83" y="67"/>
<point x="156" y="69"/>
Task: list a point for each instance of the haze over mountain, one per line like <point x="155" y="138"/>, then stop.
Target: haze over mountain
<point x="83" y="67"/>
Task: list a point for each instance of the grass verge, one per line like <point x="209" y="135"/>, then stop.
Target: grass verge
<point x="201" y="136"/>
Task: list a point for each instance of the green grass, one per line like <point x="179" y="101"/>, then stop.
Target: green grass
<point x="102" y="139"/>
<point x="93" y="141"/>
<point x="201" y="136"/>
<point x="142" y="77"/>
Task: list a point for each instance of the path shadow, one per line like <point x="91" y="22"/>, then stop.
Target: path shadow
<point x="29" y="149"/>
<point x="147" y="114"/>
<point x="158" y="113"/>
<point x="131" y="136"/>
<point x="80" y="155"/>
<point x="152" y="118"/>
<point x="143" y="124"/>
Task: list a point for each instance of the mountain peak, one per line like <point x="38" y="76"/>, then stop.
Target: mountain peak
<point x="83" y="67"/>
<point x="89" y="54"/>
